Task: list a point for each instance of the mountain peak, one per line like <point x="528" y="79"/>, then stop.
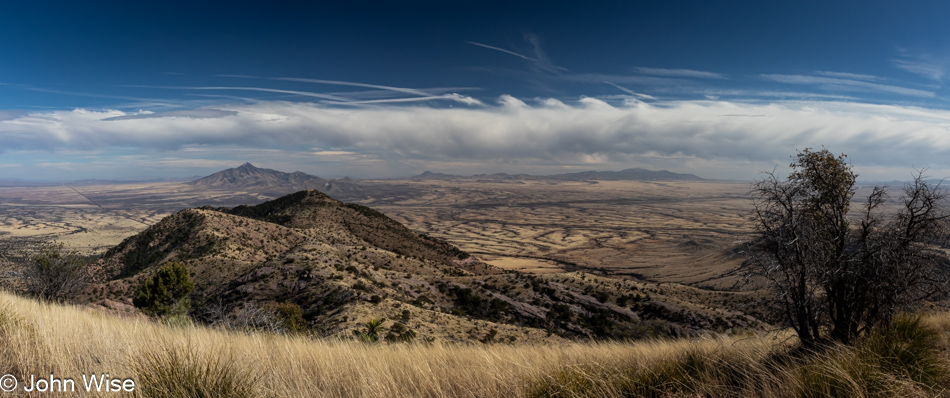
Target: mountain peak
<point x="248" y="175"/>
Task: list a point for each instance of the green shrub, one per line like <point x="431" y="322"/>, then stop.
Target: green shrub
<point x="166" y="292"/>
<point x="291" y="317"/>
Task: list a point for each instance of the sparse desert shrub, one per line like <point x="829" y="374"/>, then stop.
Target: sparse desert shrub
<point x="490" y="336"/>
<point x="249" y="317"/>
<point x="290" y="315"/>
<point x="399" y="333"/>
<point x="57" y="274"/>
<point x="166" y="293"/>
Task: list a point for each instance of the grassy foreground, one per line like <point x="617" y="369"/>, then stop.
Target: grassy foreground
<point x="907" y="360"/>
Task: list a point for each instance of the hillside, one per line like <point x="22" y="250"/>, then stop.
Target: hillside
<point x="344" y="264"/>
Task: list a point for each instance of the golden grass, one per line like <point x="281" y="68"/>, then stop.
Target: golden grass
<point x="68" y="342"/>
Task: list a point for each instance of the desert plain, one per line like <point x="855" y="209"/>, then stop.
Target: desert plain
<point x="684" y="232"/>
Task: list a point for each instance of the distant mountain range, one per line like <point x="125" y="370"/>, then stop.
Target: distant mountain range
<point x="273" y="183"/>
<point x="635" y="174"/>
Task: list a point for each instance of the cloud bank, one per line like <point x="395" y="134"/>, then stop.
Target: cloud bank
<point x="587" y="132"/>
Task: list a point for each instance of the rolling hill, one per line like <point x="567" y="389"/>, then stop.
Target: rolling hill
<point x="344" y="264"/>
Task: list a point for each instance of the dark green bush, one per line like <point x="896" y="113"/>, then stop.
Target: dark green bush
<point x="166" y="292"/>
<point x="291" y="317"/>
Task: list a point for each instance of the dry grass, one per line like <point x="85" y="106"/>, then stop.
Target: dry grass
<point x="192" y="361"/>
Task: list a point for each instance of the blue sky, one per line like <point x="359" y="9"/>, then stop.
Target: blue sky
<point x="719" y="89"/>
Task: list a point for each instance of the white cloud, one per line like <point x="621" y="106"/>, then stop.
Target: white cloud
<point x="516" y="133"/>
<point x="451" y="97"/>
<point x="206" y="113"/>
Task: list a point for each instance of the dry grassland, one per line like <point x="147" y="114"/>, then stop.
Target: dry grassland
<point x="67" y="342"/>
<point x="667" y="231"/>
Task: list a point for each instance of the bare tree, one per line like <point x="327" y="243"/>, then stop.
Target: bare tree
<point x="247" y="317"/>
<point x="57" y="274"/>
<point x="834" y="281"/>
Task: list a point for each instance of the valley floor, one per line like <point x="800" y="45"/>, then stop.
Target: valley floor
<point x="66" y="342"/>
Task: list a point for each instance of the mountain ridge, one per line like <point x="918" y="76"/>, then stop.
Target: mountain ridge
<point x="248" y="175"/>
<point x="633" y="174"/>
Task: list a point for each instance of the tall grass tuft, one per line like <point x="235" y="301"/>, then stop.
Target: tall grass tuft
<point x="168" y="371"/>
<point x="909" y="348"/>
<point x="890" y="361"/>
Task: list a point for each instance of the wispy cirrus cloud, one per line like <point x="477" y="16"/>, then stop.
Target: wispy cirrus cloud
<point x="851" y="76"/>
<point x="259" y="89"/>
<point x="922" y="64"/>
<point x="240" y="76"/>
<point x="522" y="56"/>
<point x="684" y="73"/>
<point x="151" y="101"/>
<point x="847" y="84"/>
<point x="631" y="92"/>
<point x="339" y="98"/>
<point x="354" y="84"/>
<point x="540" y="62"/>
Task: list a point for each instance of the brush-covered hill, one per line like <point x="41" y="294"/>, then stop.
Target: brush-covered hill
<point x="344" y="264"/>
